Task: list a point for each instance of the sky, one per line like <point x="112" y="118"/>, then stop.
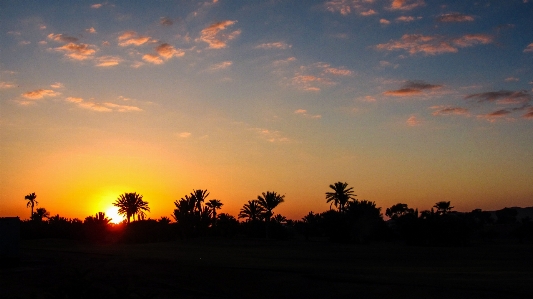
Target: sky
<point x="409" y="101"/>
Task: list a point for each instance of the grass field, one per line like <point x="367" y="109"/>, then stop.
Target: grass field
<point x="212" y="268"/>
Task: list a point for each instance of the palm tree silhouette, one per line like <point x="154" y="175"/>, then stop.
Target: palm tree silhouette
<point x="131" y="204"/>
<point x="340" y="196"/>
<point x="31" y="202"/>
<point x="39" y="214"/>
<point x="214" y="204"/>
<point x="199" y="197"/>
<point x="268" y="201"/>
<point x="443" y="207"/>
<point x="279" y="219"/>
<point x="251" y="210"/>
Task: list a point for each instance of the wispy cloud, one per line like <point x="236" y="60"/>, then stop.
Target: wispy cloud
<point x="270" y="135"/>
<point x="413" y="121"/>
<point x="215" y="34"/>
<point x="164" y="21"/>
<point x="6" y="85"/>
<point x="184" y="134"/>
<point x="511" y="79"/>
<point x="529" y="48"/>
<point x="40" y="94"/>
<point x="102" y="107"/>
<point x="221" y="65"/>
<point x="433" y="45"/>
<point x="449" y="110"/>
<point x="304" y="113"/>
<point x="384" y="21"/>
<point x="108" y="61"/>
<point x="152" y="58"/>
<point x="346" y="7"/>
<point x="406" y="4"/>
<point x="129" y="38"/>
<point x="77" y="51"/>
<point x="168" y="51"/>
<point x="502" y="97"/>
<point x="318" y="75"/>
<point x="275" y="45"/>
<point x="454" y="17"/>
<point x="407" y="19"/>
<point x="493" y="116"/>
<point x="91" y="30"/>
<point x="57" y="85"/>
<point x="529" y="114"/>
<point x="62" y="38"/>
<point x="97" y="5"/>
<point x="412" y="88"/>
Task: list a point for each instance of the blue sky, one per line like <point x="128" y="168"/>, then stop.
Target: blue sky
<point x="407" y="101"/>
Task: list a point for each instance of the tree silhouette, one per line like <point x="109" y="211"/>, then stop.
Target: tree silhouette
<point x="279" y="219"/>
<point x="269" y="201"/>
<point x="443" y="207"/>
<point x="31" y="201"/>
<point x="131" y="204"/>
<point x="99" y="219"/>
<point x="199" y="196"/>
<point x="340" y="196"/>
<point x="251" y="210"/>
<point x="214" y="204"/>
<point x="39" y="214"/>
<point x="398" y="210"/>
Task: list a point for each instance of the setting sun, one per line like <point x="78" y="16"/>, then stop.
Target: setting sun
<point x="112" y="213"/>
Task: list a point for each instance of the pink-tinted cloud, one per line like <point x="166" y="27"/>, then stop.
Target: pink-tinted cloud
<point x="271" y="136"/>
<point x="77" y="51"/>
<point x="346" y="7"/>
<point x="529" y="113"/>
<point x="384" y="21"/>
<point x="412" y="88"/>
<point x="167" y="51"/>
<point x="184" y="135"/>
<point x="133" y="38"/>
<point x="502" y="97"/>
<point x="91" y="30"/>
<point x="406" y="4"/>
<point x="433" y="45"/>
<point x="369" y="12"/>
<point x="529" y="48"/>
<point x="511" y="79"/>
<point x="108" y="61"/>
<point x="215" y="35"/>
<point x="104" y="107"/>
<point x="164" y="21"/>
<point x="406" y="19"/>
<point x="493" y="116"/>
<point x="40" y="93"/>
<point x="6" y="85"/>
<point x="454" y="17"/>
<point x="413" y="121"/>
<point x="448" y="110"/>
<point x="152" y="58"/>
<point x="337" y="71"/>
<point x="221" y="65"/>
<point x="62" y="38"/>
<point x="97" y="5"/>
<point x="318" y="75"/>
<point x="275" y="45"/>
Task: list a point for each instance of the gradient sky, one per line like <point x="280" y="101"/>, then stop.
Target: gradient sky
<point x="408" y="101"/>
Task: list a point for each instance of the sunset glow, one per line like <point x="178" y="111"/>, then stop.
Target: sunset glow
<point x="407" y="101"/>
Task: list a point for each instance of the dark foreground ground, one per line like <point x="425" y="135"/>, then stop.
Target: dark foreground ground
<point x="267" y="269"/>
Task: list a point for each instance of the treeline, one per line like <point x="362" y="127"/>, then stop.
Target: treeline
<point x="352" y="221"/>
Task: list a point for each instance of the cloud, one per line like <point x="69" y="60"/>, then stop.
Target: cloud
<point x="502" y="97"/>
<point x="369" y="12"/>
<point x="276" y="45"/>
<point x="406" y="4"/>
<point x="214" y="34"/>
<point x="270" y="136"/>
<point x="164" y="21"/>
<point x="152" y="58"/>
<point x="91" y="30"/>
<point x="346" y="7"/>
<point x="511" y="79"/>
<point x="57" y="85"/>
<point x="304" y="113"/>
<point x="106" y="61"/>
<point x="407" y="19"/>
<point x="413" y="121"/>
<point x="77" y="51"/>
<point x="132" y="38"/>
<point x="62" y="38"/>
<point x="6" y="85"/>
<point x="105" y="107"/>
<point x="412" y="88"/>
<point x="454" y="17"/>
<point x="529" y="48"/>
<point x="40" y="93"/>
<point x="338" y="71"/>
<point x="317" y="75"/>
<point x="529" y="113"/>
<point x="221" y="65"/>
<point x="493" y="116"/>
<point x="448" y="110"/>
<point x="97" y="5"/>
<point x="433" y="45"/>
<point x="167" y="51"/>
<point x="384" y="21"/>
<point x="184" y="135"/>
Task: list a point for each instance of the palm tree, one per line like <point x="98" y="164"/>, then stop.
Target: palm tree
<point x="214" y="204"/>
<point x="279" y="219"/>
<point x="31" y="201"/>
<point x="443" y="207"/>
<point x="340" y="196"/>
<point x="268" y="201"/>
<point x="251" y="210"/>
<point x="199" y="196"/>
<point x="39" y="214"/>
<point x="131" y="204"/>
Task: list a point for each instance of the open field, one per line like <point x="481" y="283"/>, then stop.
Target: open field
<point x="209" y="268"/>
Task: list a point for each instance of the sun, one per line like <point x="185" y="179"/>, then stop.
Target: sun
<point x="112" y="213"/>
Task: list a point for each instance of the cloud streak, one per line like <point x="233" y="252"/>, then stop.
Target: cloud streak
<point x="434" y="44"/>
<point x="102" y="107"/>
<point x="454" y="18"/>
<point x="412" y="88"/>
<point x="215" y="35"/>
<point x="77" y="51"/>
<point x="40" y="94"/>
